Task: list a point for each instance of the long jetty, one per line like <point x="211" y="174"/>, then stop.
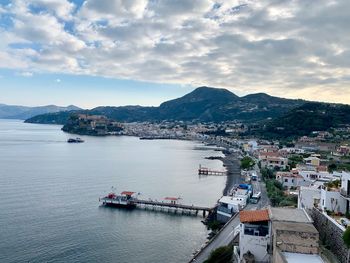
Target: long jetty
<point x="207" y="171"/>
<point x="172" y="205"/>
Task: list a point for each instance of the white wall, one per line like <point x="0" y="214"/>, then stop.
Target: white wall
<point x="255" y="244"/>
<point x="331" y="200"/>
<point x="345" y="177"/>
<point x="307" y="196"/>
<point x="293" y="181"/>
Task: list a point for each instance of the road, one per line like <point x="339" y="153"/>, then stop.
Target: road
<point x="223" y="238"/>
<point x="227" y="234"/>
<point x="259" y="186"/>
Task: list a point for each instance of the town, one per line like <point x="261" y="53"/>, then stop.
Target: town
<point x="293" y="202"/>
<point x="307" y="182"/>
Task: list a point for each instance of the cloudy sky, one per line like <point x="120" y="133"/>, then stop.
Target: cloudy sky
<point x="105" y="52"/>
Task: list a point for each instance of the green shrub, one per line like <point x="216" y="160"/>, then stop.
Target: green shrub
<point x="247" y="162"/>
<point x="221" y="255"/>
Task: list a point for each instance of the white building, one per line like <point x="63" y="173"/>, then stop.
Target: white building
<point x="254" y="235"/>
<point x="229" y="205"/>
<point x="312" y="160"/>
<point x="345" y="190"/>
<point x="275" y="162"/>
<point x="291" y="179"/>
<point x="309" y="197"/>
<point x="331" y="200"/>
<point x="277" y="235"/>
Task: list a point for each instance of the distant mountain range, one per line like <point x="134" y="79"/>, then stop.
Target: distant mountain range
<point x="204" y="104"/>
<point x="23" y="112"/>
<point x="278" y="117"/>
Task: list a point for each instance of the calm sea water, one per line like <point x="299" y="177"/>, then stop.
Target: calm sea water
<point x="49" y="190"/>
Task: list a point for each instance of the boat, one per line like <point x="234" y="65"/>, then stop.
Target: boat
<point x="75" y="140"/>
<point x="125" y="199"/>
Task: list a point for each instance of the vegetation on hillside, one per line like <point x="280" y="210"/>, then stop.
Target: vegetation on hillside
<point x="312" y="116"/>
<point x="61" y="118"/>
<point x="204" y="104"/>
<point x="275" y="190"/>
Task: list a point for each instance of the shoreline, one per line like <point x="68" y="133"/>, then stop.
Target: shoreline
<point x="231" y="163"/>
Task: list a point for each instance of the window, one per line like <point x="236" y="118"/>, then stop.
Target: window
<point x="286" y="180"/>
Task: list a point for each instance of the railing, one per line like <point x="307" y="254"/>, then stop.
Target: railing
<point x="344" y="193"/>
<point x="261" y="231"/>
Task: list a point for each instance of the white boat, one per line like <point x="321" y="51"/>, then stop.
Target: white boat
<point x="125" y="199"/>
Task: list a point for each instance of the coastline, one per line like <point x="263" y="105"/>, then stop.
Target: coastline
<point x="231" y="163"/>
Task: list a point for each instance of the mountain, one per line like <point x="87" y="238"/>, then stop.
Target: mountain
<point x="311" y="116"/>
<point x="204" y="104"/>
<point x="23" y="112"/>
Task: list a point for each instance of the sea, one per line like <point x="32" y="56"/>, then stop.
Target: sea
<point x="50" y="190"/>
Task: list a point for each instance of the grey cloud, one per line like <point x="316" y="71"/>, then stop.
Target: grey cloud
<point x="276" y="46"/>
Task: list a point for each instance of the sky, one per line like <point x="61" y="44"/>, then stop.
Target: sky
<point x="126" y="52"/>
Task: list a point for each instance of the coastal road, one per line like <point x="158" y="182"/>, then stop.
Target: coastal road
<point x="227" y="234"/>
<point x="223" y="238"/>
<point x="259" y="186"/>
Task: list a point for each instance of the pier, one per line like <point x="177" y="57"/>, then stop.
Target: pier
<point x="207" y="171"/>
<point x="173" y="206"/>
<point x="128" y="199"/>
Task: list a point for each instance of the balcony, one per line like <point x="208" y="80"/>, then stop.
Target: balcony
<point x="261" y="231"/>
<point x="344" y="193"/>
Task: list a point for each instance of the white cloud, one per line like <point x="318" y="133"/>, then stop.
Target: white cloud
<point x="26" y="74"/>
<point x="276" y="46"/>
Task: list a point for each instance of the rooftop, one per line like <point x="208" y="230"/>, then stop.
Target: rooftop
<point x="288" y="215"/>
<point x="254" y="216"/>
<point x="295" y="227"/>
<point x="230" y="200"/>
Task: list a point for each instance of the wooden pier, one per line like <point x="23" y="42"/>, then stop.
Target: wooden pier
<point x="172" y="206"/>
<point x="207" y="171"/>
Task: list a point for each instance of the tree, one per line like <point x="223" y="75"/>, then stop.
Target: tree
<point x="247" y="162"/>
<point x="332" y="167"/>
<point x="221" y="255"/>
<point x="346" y="239"/>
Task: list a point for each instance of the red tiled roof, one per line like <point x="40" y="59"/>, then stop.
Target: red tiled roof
<point x="254" y="216"/>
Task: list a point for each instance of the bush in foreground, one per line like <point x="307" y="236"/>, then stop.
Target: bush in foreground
<point x="221" y="255"/>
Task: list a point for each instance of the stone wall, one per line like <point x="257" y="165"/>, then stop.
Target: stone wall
<point x="330" y="233"/>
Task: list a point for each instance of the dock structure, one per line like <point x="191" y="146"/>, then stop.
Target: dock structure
<point x="207" y="171"/>
<point x="172" y="206"/>
<point x="128" y="199"/>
